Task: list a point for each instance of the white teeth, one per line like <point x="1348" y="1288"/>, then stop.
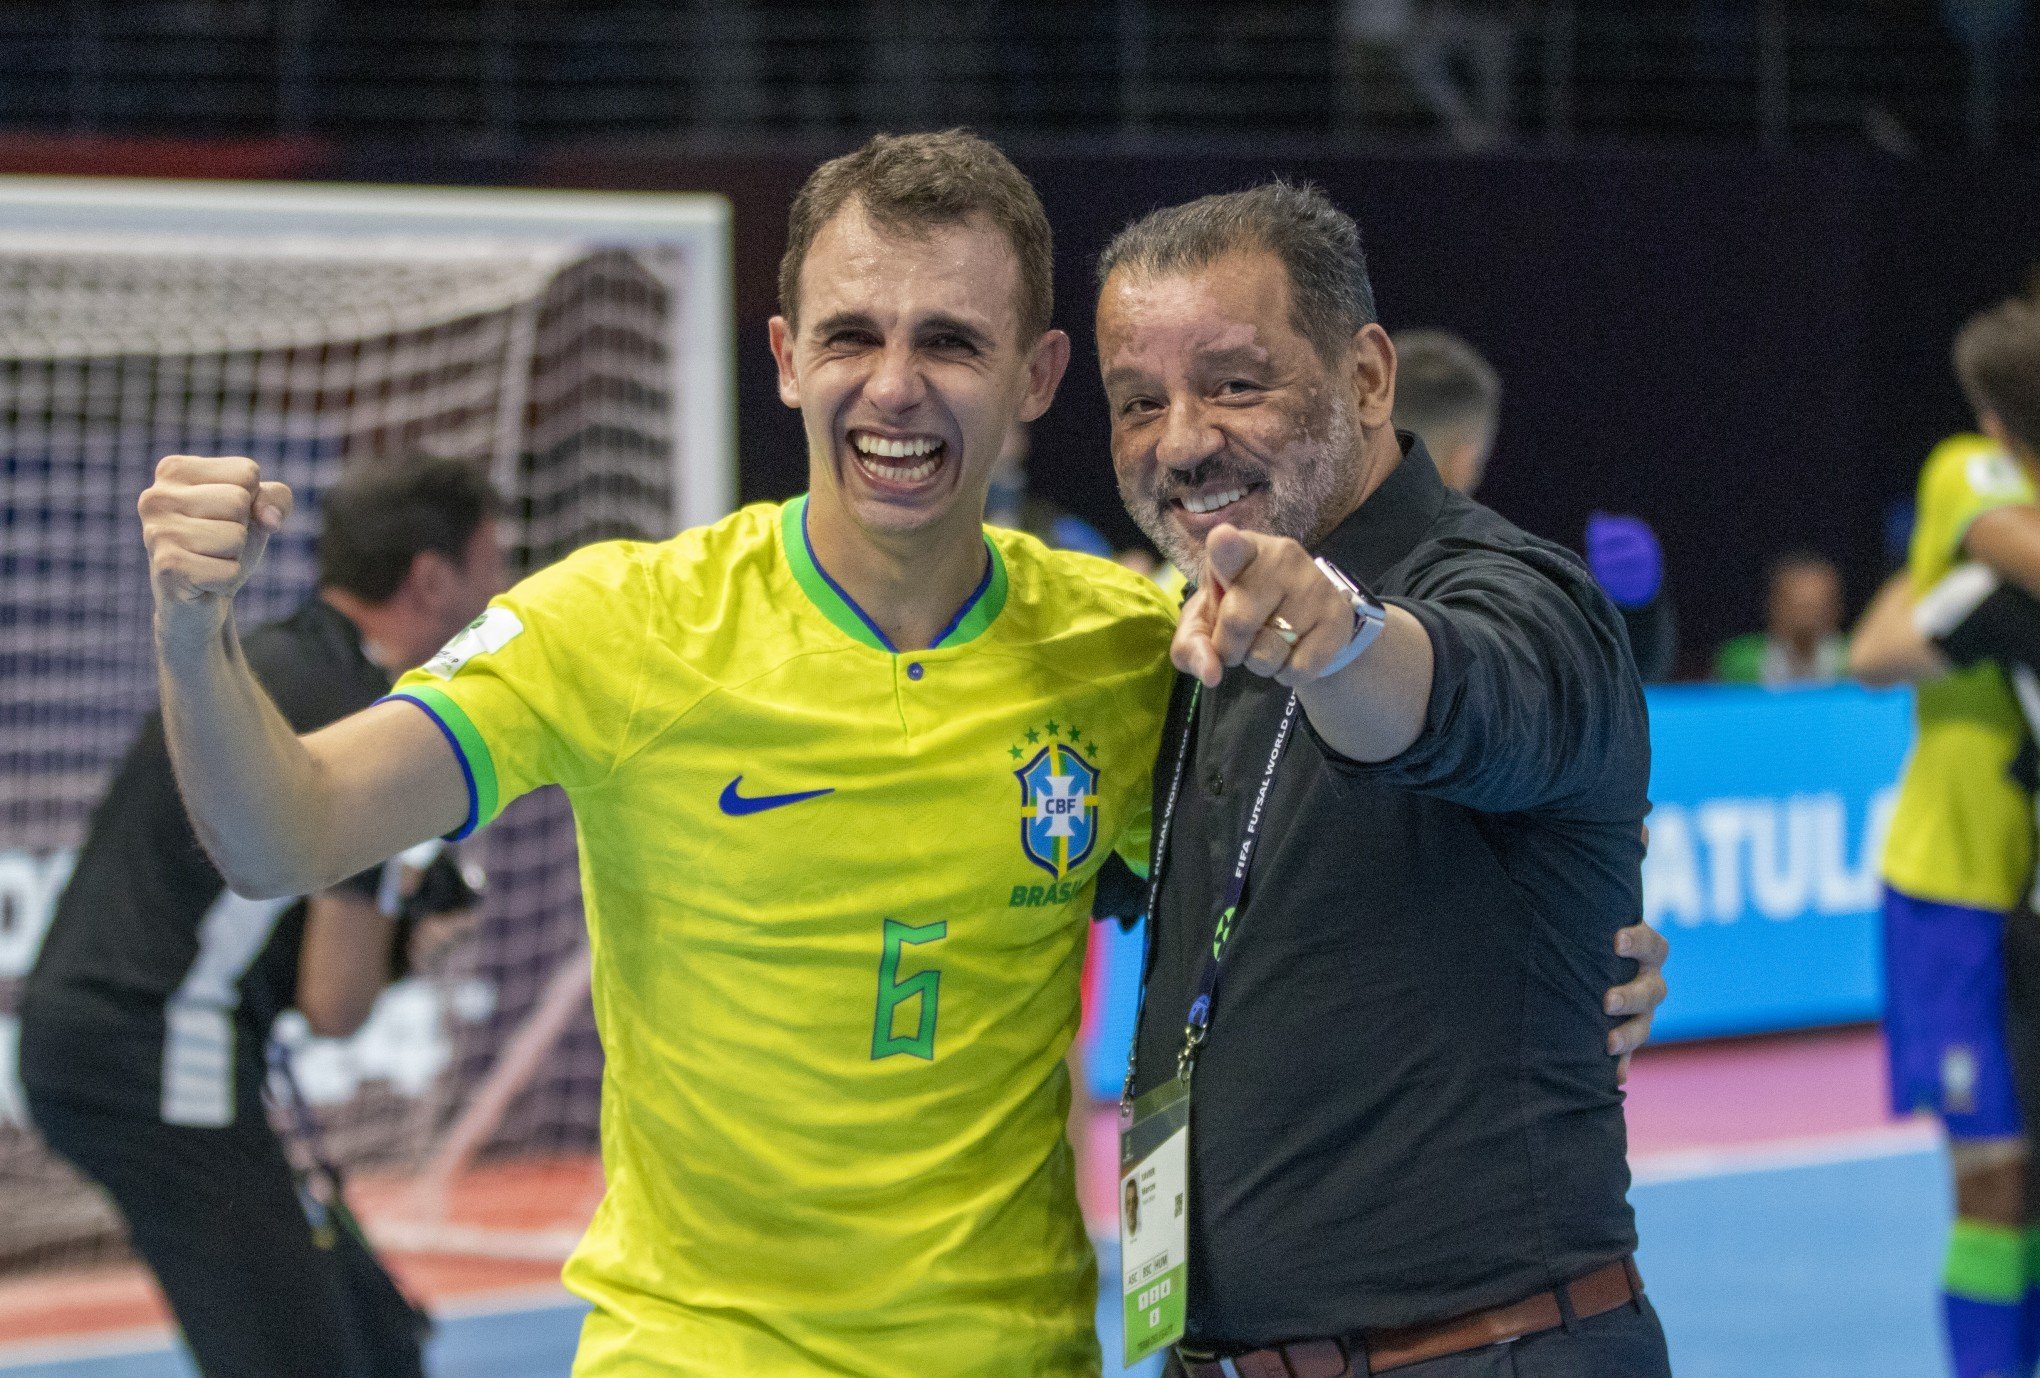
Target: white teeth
<point x="896" y="449"/>
<point x="1213" y="501"/>
<point x="901" y="473"/>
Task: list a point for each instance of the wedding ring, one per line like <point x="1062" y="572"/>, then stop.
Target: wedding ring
<point x="1279" y="625"/>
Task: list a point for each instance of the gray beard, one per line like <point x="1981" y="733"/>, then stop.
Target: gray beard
<point x="1300" y="497"/>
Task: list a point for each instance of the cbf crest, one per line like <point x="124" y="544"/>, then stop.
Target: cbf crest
<point x="1058" y="801"/>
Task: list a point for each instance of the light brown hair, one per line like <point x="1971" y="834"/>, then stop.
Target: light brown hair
<point x="910" y="183"/>
<point x="1997" y="357"/>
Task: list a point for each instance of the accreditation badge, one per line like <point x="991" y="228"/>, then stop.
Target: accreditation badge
<point x="1154" y="1230"/>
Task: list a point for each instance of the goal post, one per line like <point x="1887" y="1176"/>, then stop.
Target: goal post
<point x="696" y="226"/>
<point x="577" y="345"/>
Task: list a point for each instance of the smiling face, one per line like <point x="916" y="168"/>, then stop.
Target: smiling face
<point x="1223" y="412"/>
<point x="907" y="365"/>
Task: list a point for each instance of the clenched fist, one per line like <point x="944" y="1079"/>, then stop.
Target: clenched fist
<point x="206" y="522"/>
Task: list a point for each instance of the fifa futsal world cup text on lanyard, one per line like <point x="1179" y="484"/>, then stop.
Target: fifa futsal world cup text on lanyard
<point x="1154" y="1133"/>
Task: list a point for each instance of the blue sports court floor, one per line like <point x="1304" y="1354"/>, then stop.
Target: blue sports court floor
<point x="1761" y="1267"/>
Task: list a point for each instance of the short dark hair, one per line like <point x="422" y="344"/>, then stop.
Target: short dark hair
<point x="1330" y="297"/>
<point x="1997" y="357"/>
<point x="910" y="183"/>
<point x="384" y="513"/>
<point x="1442" y="383"/>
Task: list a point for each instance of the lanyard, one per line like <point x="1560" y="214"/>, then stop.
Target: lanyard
<point x="1197" y="1026"/>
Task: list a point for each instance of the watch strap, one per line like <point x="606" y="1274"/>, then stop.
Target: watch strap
<point x="1369" y="616"/>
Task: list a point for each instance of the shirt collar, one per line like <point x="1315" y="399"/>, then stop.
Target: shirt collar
<point x="977" y="613"/>
<point x="1387" y="526"/>
<point x="339" y="626"/>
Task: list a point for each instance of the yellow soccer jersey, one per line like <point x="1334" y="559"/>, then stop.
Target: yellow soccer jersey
<point x="837" y="900"/>
<point x="1963" y="831"/>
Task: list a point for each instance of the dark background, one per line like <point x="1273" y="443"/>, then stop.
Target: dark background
<point x="1716" y="248"/>
<point x="1749" y="351"/>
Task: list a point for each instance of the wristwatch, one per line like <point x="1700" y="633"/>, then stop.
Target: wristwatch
<point x="1369" y="617"/>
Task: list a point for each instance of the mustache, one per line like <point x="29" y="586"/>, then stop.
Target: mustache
<point x="1171" y="483"/>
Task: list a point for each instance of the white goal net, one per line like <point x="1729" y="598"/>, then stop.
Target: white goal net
<point x="576" y="347"/>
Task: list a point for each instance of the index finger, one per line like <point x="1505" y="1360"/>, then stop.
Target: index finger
<point x="1227" y="553"/>
<point x="1190" y="649"/>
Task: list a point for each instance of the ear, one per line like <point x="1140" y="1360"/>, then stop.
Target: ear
<point x="780" y="332"/>
<point x="1045" y="368"/>
<point x="1373" y="376"/>
<point x="430" y="579"/>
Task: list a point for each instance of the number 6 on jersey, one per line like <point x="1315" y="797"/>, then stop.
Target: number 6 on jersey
<point x="893" y="992"/>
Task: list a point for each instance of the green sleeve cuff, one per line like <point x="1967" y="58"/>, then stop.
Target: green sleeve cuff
<point x="477" y="767"/>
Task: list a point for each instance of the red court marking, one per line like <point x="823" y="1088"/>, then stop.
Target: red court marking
<point x="1757" y="1090"/>
<point x="1726" y="1093"/>
<point x="46" y="1306"/>
<point x="1744" y="1092"/>
<point x="555" y="1194"/>
<point x="526" y="1194"/>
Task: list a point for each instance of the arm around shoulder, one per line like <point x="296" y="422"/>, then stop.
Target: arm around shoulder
<point x="2007" y="539"/>
<point x="1887" y="647"/>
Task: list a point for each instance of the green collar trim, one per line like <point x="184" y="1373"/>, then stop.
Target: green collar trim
<point x="977" y="613"/>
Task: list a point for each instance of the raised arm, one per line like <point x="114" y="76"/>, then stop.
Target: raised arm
<point x="280" y="815"/>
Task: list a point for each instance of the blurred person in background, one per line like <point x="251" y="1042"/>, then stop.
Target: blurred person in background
<point x="145" y="1020"/>
<point x="1012" y="503"/>
<point x="1451" y="399"/>
<point x="1802" y="641"/>
<point x="1959" y="858"/>
<point x="1970" y="617"/>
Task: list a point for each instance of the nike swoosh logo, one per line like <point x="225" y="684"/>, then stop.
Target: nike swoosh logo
<point x="737" y="805"/>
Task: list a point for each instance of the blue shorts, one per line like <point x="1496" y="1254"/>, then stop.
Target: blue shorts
<point x="1944" y="1016"/>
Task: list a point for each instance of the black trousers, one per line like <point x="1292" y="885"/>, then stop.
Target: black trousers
<point x="216" y="1215"/>
<point x="1627" y="1342"/>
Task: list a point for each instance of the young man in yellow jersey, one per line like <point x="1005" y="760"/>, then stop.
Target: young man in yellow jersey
<point x="1960" y="855"/>
<point x="844" y="771"/>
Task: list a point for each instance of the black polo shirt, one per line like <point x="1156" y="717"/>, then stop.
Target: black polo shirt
<point x="156" y="987"/>
<point x="1405" y="1109"/>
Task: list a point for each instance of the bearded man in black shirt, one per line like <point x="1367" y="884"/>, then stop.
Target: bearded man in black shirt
<point x="146" y="1018"/>
<point x="1399" y="823"/>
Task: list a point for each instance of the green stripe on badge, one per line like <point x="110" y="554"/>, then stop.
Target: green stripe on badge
<point x="1155" y="1314"/>
<point x="481" y="767"/>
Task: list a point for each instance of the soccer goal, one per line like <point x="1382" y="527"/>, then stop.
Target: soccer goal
<point x="575" y="345"/>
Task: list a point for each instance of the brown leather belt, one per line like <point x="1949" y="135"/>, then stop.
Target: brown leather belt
<point x="1590" y="1294"/>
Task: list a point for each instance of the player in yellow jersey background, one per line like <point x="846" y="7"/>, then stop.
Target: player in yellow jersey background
<point x="1960" y="856"/>
<point x="843" y="769"/>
